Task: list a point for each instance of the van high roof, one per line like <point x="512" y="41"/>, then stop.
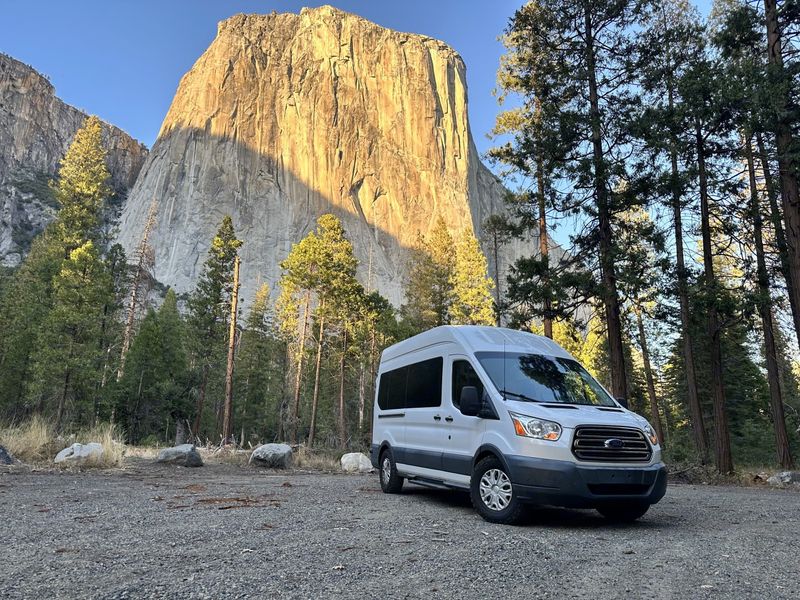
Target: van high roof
<point x="478" y="338"/>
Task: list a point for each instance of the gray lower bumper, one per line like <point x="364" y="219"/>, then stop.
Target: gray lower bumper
<point x="560" y="483"/>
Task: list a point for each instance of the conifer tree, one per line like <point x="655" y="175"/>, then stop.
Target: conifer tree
<point x="66" y="350"/>
<point x="320" y="270"/>
<point x="209" y="307"/>
<point x="259" y="368"/>
<point x="429" y="291"/>
<point x="153" y="394"/>
<point x="29" y="297"/>
<point x="471" y="284"/>
<point x="671" y="39"/>
<point x="587" y="47"/>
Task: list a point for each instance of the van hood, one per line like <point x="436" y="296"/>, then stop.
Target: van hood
<point x="570" y="416"/>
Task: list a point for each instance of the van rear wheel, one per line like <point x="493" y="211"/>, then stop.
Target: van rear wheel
<point x="493" y="494"/>
<point x="391" y="482"/>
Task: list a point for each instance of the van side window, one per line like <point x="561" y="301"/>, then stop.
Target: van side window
<point x="392" y="392"/>
<point x="424" y="388"/>
<point x="415" y="386"/>
<point x="464" y="375"/>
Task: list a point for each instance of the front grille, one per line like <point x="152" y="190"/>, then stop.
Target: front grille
<point x="589" y="444"/>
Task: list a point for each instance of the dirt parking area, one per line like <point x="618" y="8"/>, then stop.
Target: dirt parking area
<point x="152" y="531"/>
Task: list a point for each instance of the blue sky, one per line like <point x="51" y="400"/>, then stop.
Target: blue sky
<point x="123" y="59"/>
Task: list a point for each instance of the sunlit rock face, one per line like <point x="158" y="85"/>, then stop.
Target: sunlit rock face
<point x="289" y="116"/>
<point x="36" y="129"/>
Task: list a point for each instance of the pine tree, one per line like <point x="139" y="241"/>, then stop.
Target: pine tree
<point x="471" y="284"/>
<point x="429" y="290"/>
<point x="81" y="187"/>
<point x="672" y="37"/>
<point x="319" y="272"/>
<point x="30" y="296"/>
<point x="209" y="306"/>
<point x="579" y="55"/>
<point x="153" y="394"/>
<point x="66" y="351"/>
<point x="497" y="232"/>
<point x="259" y="368"/>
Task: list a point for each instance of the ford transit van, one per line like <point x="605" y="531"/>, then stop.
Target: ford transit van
<point x="514" y="419"/>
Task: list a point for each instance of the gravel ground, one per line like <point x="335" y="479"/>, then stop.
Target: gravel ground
<point x="152" y="531"/>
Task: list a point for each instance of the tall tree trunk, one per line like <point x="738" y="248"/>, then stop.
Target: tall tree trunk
<point x="341" y="419"/>
<point x="616" y="352"/>
<point x="648" y="374"/>
<point x="362" y="376"/>
<point x="138" y="276"/>
<point x="787" y="169"/>
<point x="722" y="442"/>
<point x="62" y="401"/>
<point x="496" y="257"/>
<point x="180" y="431"/>
<point x="299" y="375"/>
<point x="780" y="235"/>
<point x="687" y="347"/>
<point x="227" y="422"/>
<point x="315" y="398"/>
<point x="547" y="305"/>
<point x="201" y="400"/>
<point x="765" y="312"/>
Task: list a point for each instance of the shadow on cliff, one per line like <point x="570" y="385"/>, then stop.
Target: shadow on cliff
<point x="197" y="178"/>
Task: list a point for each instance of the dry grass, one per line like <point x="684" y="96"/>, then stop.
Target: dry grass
<point x="35" y="442"/>
<point x="110" y="436"/>
<point x="316" y="460"/>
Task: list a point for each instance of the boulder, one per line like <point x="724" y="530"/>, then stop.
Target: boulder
<point x="6" y="458"/>
<point x="784" y="478"/>
<point x="275" y="456"/>
<point x="356" y="462"/>
<point x="185" y="454"/>
<point x="79" y="453"/>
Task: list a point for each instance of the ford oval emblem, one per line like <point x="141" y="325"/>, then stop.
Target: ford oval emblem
<point x="615" y="443"/>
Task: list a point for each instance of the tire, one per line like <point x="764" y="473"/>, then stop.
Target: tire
<point x="391" y="482"/>
<point x="492" y="494"/>
<point x="623" y="512"/>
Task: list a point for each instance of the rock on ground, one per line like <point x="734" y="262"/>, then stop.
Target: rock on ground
<point x="79" y="453"/>
<point x="185" y="454"/>
<point x="6" y="458"/>
<point x="784" y="478"/>
<point x="356" y="462"/>
<point x="276" y="456"/>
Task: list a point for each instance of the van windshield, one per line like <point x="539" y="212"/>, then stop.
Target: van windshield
<point x="537" y="378"/>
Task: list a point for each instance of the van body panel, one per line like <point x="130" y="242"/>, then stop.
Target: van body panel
<point x="435" y="443"/>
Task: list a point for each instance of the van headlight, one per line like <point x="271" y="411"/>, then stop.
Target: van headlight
<point x="532" y="427"/>
<point x="651" y="434"/>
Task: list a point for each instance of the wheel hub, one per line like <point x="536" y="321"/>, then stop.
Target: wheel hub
<point x="495" y="489"/>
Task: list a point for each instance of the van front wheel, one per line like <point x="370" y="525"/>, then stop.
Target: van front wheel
<point x="492" y="493"/>
<point x="391" y="482"/>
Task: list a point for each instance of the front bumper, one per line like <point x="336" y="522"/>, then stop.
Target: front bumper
<point x="562" y="483"/>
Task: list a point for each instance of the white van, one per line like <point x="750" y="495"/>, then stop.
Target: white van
<point x="514" y="419"/>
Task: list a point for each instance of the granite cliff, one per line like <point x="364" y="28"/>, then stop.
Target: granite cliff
<point x="36" y="129"/>
<point x="289" y="116"/>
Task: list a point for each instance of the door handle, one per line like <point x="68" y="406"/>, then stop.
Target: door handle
<point x="437" y="417"/>
<point x="449" y="419"/>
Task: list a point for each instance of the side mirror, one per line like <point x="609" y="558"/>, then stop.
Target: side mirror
<point x="470" y="403"/>
<point x="623" y="402"/>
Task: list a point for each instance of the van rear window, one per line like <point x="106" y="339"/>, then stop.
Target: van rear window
<point x="418" y="385"/>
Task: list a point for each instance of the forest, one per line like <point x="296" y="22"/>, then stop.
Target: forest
<point x="652" y="157"/>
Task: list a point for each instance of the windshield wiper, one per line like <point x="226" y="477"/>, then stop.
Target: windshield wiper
<point x="518" y="396"/>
